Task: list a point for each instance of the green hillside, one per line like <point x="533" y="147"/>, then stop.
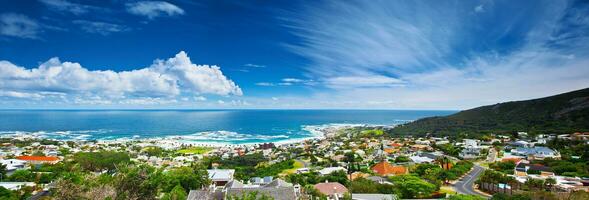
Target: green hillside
<point x="563" y="113"/>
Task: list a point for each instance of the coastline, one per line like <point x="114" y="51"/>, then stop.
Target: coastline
<point x="316" y="132"/>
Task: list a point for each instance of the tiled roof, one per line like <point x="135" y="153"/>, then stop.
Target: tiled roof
<point x="38" y="158"/>
<point x="384" y="169"/>
<point x="331" y="188"/>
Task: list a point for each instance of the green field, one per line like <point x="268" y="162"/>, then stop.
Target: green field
<point x="296" y="165"/>
<point x="195" y="150"/>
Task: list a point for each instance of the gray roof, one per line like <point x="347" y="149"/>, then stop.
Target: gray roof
<point x="279" y="193"/>
<point x="277" y="189"/>
<point x="200" y="195"/>
<point x="374" y="196"/>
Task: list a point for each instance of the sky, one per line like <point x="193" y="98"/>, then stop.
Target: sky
<point x="216" y="54"/>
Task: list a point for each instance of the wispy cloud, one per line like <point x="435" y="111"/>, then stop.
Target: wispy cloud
<point x="102" y="28"/>
<point x="66" y="6"/>
<point x="153" y="9"/>
<point x="254" y="65"/>
<point x="19" y="25"/>
<point x="449" y="59"/>
<point x="288" y="82"/>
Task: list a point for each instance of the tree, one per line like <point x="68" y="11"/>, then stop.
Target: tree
<point x="3" y="172"/>
<point x="412" y="187"/>
<point x="103" y="160"/>
<point x="135" y="183"/>
<point x="465" y="197"/>
<point x="189" y="178"/>
<point x="177" y="193"/>
<point x="66" y="189"/>
<point x="337" y="176"/>
<point x="402" y="159"/>
<point x="6" y="194"/>
<point x="22" y="176"/>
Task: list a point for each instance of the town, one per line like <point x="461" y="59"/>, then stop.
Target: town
<point x="348" y="162"/>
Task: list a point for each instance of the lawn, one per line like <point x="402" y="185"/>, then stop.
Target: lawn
<point x="195" y="150"/>
<point x="297" y="164"/>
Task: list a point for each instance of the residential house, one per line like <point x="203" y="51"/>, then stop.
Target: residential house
<point x="261" y="181"/>
<point x="374" y="197"/>
<point x="16" y="185"/>
<point x="277" y="189"/>
<point x="329" y="170"/>
<point x="333" y="190"/>
<point x="37" y="160"/>
<point x="386" y="169"/>
<point x="220" y="177"/>
<point x="13" y="165"/>
<point x="524" y="169"/>
<point x="420" y="159"/>
<point x="536" y="153"/>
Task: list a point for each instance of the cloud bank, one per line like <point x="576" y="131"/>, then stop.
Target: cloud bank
<point x="164" y="80"/>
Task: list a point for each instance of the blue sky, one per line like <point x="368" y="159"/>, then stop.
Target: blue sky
<point x="289" y="54"/>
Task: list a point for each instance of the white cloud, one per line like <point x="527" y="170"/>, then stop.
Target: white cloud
<point x="20" y="95"/>
<point x="265" y="84"/>
<point x="18" y="25"/>
<point x="254" y="65"/>
<point x="63" y="5"/>
<point x="293" y="80"/>
<point x="102" y="28"/>
<point x="163" y="80"/>
<point x="479" y="8"/>
<point x="153" y="9"/>
<point x="200" y="98"/>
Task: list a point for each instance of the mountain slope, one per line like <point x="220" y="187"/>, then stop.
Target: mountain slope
<point x="563" y="113"/>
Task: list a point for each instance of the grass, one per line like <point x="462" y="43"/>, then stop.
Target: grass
<point x="447" y="189"/>
<point x="195" y="150"/>
<point x="297" y="164"/>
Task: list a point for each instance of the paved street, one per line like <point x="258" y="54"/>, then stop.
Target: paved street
<point x="465" y="186"/>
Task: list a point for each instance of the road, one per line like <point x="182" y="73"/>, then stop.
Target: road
<point x="465" y="186"/>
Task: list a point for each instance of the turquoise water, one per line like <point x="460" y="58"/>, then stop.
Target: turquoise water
<point x="225" y="126"/>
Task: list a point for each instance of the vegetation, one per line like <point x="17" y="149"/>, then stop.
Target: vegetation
<point x="251" y="165"/>
<point x="563" y="113"/>
<point x="465" y="197"/>
<point x="103" y="160"/>
<point x="409" y="187"/>
<point x="195" y="150"/>
<point x="504" y="167"/>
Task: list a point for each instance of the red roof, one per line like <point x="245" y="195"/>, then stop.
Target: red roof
<point x="385" y="169"/>
<point x="38" y="158"/>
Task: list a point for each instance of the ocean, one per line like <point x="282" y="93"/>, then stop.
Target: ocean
<point x="215" y="126"/>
